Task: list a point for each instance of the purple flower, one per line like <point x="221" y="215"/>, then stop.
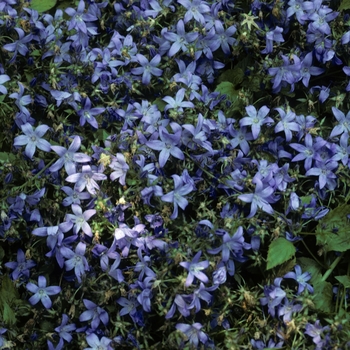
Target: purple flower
<point x="195" y="9"/>
<point x="2" y="339"/>
<point x="201" y="293"/>
<point x="178" y="102"/>
<point x="220" y="275"/>
<point x="129" y="306"/>
<point x="20" y="45"/>
<point x="78" y="18"/>
<point x="321" y="18"/>
<point x="193" y="333"/>
<point x="315" y="331"/>
<point x="301" y="279"/>
<point x="274" y="295"/>
<point x="177" y="195"/>
<point x="21" y="267"/>
<point x="256" y="119"/>
<point x="148" y="68"/>
<point x="260" y="198"/>
<point x="98" y="344"/>
<point x="287" y="310"/>
<point x="76" y="260"/>
<point x="87" y="114"/>
<point x="87" y="178"/>
<point x="307" y="69"/>
<point x="42" y="292"/>
<point x="343" y="125"/>
<point x="64" y="329"/>
<point x="182" y="302"/>
<point x="79" y="219"/>
<point x="287" y="123"/>
<point x="94" y="313"/>
<point x="324" y="171"/>
<point x="74" y="197"/>
<point x="3" y="79"/>
<point x="120" y="167"/>
<point x="195" y="269"/>
<point x="300" y="9"/>
<point x="69" y="157"/>
<point x="22" y="101"/>
<point x="32" y="139"/>
<point x="271" y="36"/>
<point x="180" y="39"/>
<point x="223" y="38"/>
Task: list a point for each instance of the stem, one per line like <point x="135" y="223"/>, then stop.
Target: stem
<point x="332" y="267"/>
<point x="307" y="248"/>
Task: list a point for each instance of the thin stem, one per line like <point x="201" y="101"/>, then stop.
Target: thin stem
<point x="307" y="248"/>
<point x="332" y="267"/>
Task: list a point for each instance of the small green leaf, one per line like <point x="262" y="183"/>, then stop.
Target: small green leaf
<point x="227" y="88"/>
<point x="42" y="5"/>
<point x="160" y="104"/>
<point x="234" y="76"/>
<point x="280" y="250"/>
<point x="323" y="292"/>
<point x="8" y="315"/>
<point x="344" y="5"/>
<point x="344" y="280"/>
<point x="332" y="232"/>
<point x="7" y="157"/>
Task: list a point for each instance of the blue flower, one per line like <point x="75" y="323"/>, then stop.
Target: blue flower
<point x="94" y="313"/>
<point x="64" y="329"/>
<point x="148" y="68"/>
<point x="195" y="269"/>
<point x="193" y="333"/>
<point x="42" y="292"/>
<point x="32" y="139"/>
<point x="98" y="344"/>
<point x="301" y="279"/>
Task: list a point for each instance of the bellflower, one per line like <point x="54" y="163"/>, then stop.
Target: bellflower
<point x="193" y="333"/>
<point x="94" y="313"/>
<point x="195" y="269"/>
<point x="69" y="157"/>
<point x="177" y="195"/>
<point x="76" y="260"/>
<point x="178" y="103"/>
<point x="301" y="279"/>
<point x="261" y="198"/>
<point x="321" y="18"/>
<point x="98" y="344"/>
<point x="32" y="139"/>
<point x="120" y="167"/>
<point x="195" y="9"/>
<point x="274" y="295"/>
<point x="287" y="310"/>
<point x="271" y="36"/>
<point x="223" y="38"/>
<point x="287" y="123"/>
<point x="74" y="197"/>
<point x="21" y="267"/>
<point x="19" y="45"/>
<point x="307" y="70"/>
<point x="315" y="331"/>
<point x="148" y="68"/>
<point x="324" y="171"/>
<point x="64" y="329"/>
<point x="256" y="119"/>
<point x="87" y="114"/>
<point x="87" y="178"/>
<point x="167" y="145"/>
<point x="343" y="122"/>
<point x="22" y="101"/>
<point x="79" y="219"/>
<point x="3" y="79"/>
<point x="42" y="292"/>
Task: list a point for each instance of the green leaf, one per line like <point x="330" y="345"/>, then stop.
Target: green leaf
<point x="234" y="76"/>
<point x="280" y="250"/>
<point x="7" y="157"/>
<point x="227" y="88"/>
<point x="344" y="280"/>
<point x="332" y="232"/>
<point x="9" y="316"/>
<point x="344" y="5"/>
<point x="42" y="5"/>
<point x="323" y="292"/>
<point x="160" y="104"/>
<point x="102" y="134"/>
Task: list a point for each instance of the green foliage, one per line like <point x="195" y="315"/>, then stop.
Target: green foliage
<point x="228" y="89"/>
<point x="344" y="5"/>
<point x="8" y="296"/>
<point x="323" y="297"/>
<point x="332" y="232"/>
<point x="280" y="251"/>
<point x="344" y="280"/>
<point x="42" y="5"/>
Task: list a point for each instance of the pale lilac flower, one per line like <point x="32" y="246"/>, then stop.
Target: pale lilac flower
<point x="343" y="125"/>
<point x="64" y="329"/>
<point x="148" y="68"/>
<point x="78" y="18"/>
<point x="178" y="103"/>
<point x="120" y="167"/>
<point x="256" y="119"/>
<point x="94" y="313"/>
<point x="195" y="9"/>
<point x="271" y="36"/>
<point x="76" y="260"/>
<point x="42" y="292"/>
<point x="195" y="269"/>
<point x="19" y="45"/>
<point x="87" y="178"/>
<point x="87" y="114"/>
<point x="193" y="333"/>
<point x="79" y="219"/>
<point x="3" y="79"/>
<point x="287" y="310"/>
<point x="177" y="195"/>
<point x="274" y="295"/>
<point x="21" y="267"/>
<point x="32" y="139"/>
<point x="315" y="331"/>
<point x="98" y="344"/>
<point x="69" y="157"/>
<point x="287" y="123"/>
<point x="301" y="279"/>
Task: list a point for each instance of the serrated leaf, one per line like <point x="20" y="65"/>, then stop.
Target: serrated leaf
<point x="160" y="104"/>
<point x="42" y="5"/>
<point x="344" y="280"/>
<point x="7" y="157"/>
<point x="344" y="5"/>
<point x="9" y="316"/>
<point x="332" y="232"/>
<point x="234" y="76"/>
<point x="323" y="292"/>
<point x="280" y="251"/>
<point x="227" y="88"/>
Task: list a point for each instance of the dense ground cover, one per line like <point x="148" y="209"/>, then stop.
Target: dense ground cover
<point x="175" y="174"/>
